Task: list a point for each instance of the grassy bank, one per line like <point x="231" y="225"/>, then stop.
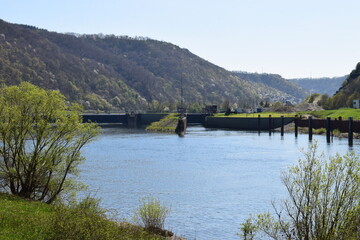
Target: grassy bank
<point x="24" y="219"/>
<point x="166" y="124"/>
<point x="255" y="115"/>
<point x="343" y="112"/>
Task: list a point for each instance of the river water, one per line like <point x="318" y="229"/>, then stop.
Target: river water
<point x="211" y="179"/>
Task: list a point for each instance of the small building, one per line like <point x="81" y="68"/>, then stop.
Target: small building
<point x="356" y="103"/>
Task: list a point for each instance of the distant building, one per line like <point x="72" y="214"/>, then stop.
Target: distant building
<point x="356" y="103"/>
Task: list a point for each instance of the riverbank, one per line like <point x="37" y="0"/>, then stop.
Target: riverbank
<point x="24" y="219"/>
<point x="345" y="113"/>
<point x="290" y="128"/>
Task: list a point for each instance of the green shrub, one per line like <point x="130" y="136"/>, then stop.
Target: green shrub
<point x="152" y="213"/>
<point x="248" y="230"/>
<point x="84" y="220"/>
<point x="319" y="131"/>
<point x="323" y="201"/>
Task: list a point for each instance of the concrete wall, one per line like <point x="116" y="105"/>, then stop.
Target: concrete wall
<point x="148" y="118"/>
<point x="245" y="123"/>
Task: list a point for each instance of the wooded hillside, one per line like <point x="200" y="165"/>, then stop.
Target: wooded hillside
<point x="112" y="72"/>
<point x="349" y="91"/>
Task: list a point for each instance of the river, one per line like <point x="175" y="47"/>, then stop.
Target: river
<point x="211" y="179"/>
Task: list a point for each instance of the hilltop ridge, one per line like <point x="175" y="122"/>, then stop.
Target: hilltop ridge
<point x="119" y="72"/>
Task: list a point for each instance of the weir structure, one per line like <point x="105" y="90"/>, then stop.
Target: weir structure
<point x="138" y="119"/>
<point x="349" y="126"/>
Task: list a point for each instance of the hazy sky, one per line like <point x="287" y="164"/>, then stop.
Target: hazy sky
<point x="300" y="38"/>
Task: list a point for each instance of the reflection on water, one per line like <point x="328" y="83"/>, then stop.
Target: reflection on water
<point x="211" y="179"/>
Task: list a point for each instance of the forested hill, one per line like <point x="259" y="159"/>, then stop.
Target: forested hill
<point x="327" y="86"/>
<point x="349" y="91"/>
<point x="274" y="82"/>
<point x="111" y="72"/>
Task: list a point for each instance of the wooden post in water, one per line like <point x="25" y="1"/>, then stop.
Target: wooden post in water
<point x="258" y="124"/>
<point x="269" y="125"/>
<point x="296" y="125"/>
<point x="328" y="129"/>
<point x="310" y="128"/>
<point x="350" y="134"/>
<point x="282" y="126"/>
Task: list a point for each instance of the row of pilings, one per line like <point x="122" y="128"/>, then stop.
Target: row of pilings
<point x="348" y="126"/>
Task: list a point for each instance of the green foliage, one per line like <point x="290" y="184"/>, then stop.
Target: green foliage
<point x="255" y="115"/>
<point x="323" y="200"/>
<point x="349" y="91"/>
<point x="97" y="102"/>
<point x="41" y="138"/>
<point x="248" y="230"/>
<point x="20" y="219"/>
<point x="166" y="124"/>
<point x="319" y="131"/>
<point x="135" y="70"/>
<point x="345" y="113"/>
<point x="84" y="220"/>
<point x="323" y="99"/>
<point x="152" y="213"/>
<point x="312" y="97"/>
<point x="195" y="108"/>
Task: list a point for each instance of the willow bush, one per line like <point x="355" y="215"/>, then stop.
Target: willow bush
<point x="41" y="136"/>
<point x="323" y="201"/>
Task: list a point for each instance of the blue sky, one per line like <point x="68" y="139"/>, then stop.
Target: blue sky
<point x="308" y="38"/>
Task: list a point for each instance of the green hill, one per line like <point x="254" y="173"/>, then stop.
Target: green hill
<point x="349" y="91"/>
<point x="119" y="72"/>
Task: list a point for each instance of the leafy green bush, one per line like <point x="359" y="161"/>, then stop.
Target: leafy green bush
<point x="152" y="213"/>
<point x="312" y="97"/>
<point x="319" y="131"/>
<point x="83" y="220"/>
<point x="41" y="138"/>
<point x="323" y="201"/>
<point x="86" y="220"/>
